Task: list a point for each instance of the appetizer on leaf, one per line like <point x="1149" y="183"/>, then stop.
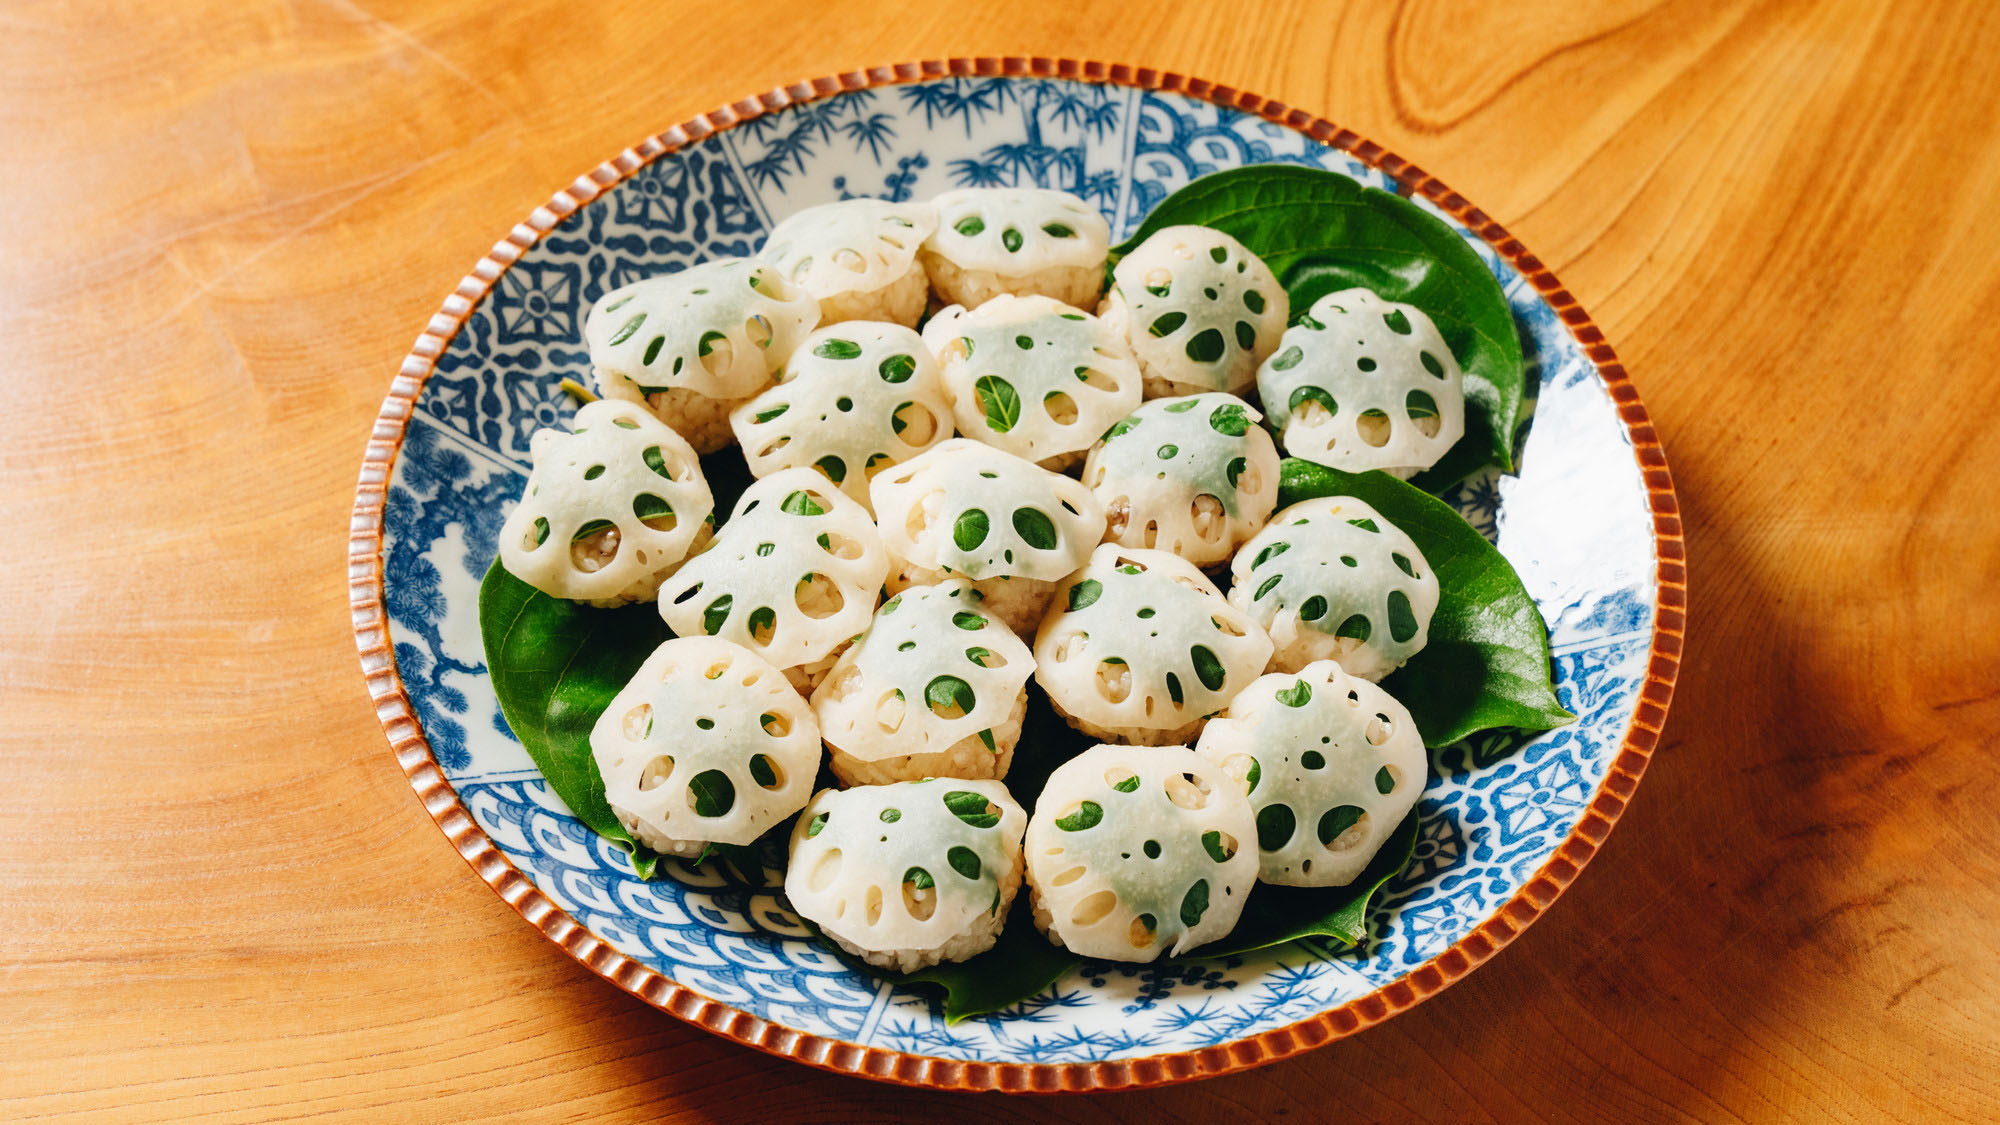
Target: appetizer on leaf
<point x="1331" y="579"/>
<point x="1200" y="311"/>
<point x="1135" y="852"/>
<point x="610" y="510"/>
<point x="1141" y="647"/>
<point x="708" y="744"/>
<point x="1331" y="764"/>
<point x="1361" y="383"/>
<point x="1195" y="476"/>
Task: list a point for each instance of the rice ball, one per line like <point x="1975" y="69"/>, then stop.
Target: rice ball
<point x="793" y="576"/>
<point x="934" y="688"/>
<point x="610" y="509"/>
<point x="1199" y="310"/>
<point x="1020" y="241"/>
<point x="967" y="510"/>
<point x="707" y="744"/>
<point x="1195" y="476"/>
<point x="1134" y="853"/>
<point x="1331" y="764"/>
<point x="857" y="258"/>
<point x="1033" y="376"/>
<point x="690" y="346"/>
<point x="855" y="399"/>
<point x="1141" y="647"/>
<point x="1362" y="383"/>
<point x="1332" y="579"/>
<point x="907" y="875"/>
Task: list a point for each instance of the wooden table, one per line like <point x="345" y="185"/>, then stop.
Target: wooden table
<point x="220" y="899"/>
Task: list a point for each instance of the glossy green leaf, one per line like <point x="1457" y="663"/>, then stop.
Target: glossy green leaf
<point x="555" y="665"/>
<point x="999" y="402"/>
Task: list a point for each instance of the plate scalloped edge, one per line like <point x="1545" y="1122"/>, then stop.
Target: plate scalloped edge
<point x="413" y="752"/>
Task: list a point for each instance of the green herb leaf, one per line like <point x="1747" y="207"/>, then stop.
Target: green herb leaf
<point x="1087" y="815"/>
<point x="837" y="349"/>
<point x="998" y="400"/>
<point x="1035" y="528"/>
<point x="970" y="529"/>
<point x="1322" y="232"/>
<point x="1085" y="593"/>
<point x="963" y="860"/>
<point x="714" y="794"/>
<point x="801" y="503"/>
<point x="555" y="666"/>
<point x="972" y="808"/>
<point x="1486" y="661"/>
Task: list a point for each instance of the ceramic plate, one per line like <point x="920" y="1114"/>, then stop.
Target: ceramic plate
<point x="1507" y="821"/>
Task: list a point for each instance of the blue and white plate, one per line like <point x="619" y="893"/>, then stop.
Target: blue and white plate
<point x="1506" y="821"/>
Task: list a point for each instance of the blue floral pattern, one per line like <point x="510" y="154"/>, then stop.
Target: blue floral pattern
<point x="1574" y="521"/>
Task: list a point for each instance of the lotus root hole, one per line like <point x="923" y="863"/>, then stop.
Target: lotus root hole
<point x="919" y="424"/>
<point x="1187" y="791"/>
<point x="817" y="597"/>
<point x="1093" y="908"/>
<point x="656" y="773"/>
<point x="1114" y="681"/>
<point x="1208" y="516"/>
<point x="594" y="552"/>
<point x="639" y="722"/>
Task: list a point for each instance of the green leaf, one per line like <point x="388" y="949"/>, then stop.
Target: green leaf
<point x="1207" y="667"/>
<point x="1087" y="815"/>
<point x="1322" y="232"/>
<point x="963" y="860"/>
<point x="946" y="692"/>
<point x="714" y="794"/>
<point x="555" y="665"/>
<point x="837" y="349"/>
<point x="1298" y="695"/>
<point x="998" y="400"/>
<point x="1230" y="420"/>
<point x="1035" y="528"/>
<point x="1273" y="914"/>
<point x="972" y="808"/>
<point x="1085" y="593"/>
<point x="801" y="503"/>
<point x="970" y="529"/>
<point x="1486" y="662"/>
<point x="919" y="878"/>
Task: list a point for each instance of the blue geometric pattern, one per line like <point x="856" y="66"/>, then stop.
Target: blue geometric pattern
<point x="1574" y="522"/>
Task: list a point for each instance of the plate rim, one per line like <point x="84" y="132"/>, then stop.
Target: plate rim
<point x="407" y="740"/>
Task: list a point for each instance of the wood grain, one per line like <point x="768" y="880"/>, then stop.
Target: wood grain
<point x="221" y="901"/>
